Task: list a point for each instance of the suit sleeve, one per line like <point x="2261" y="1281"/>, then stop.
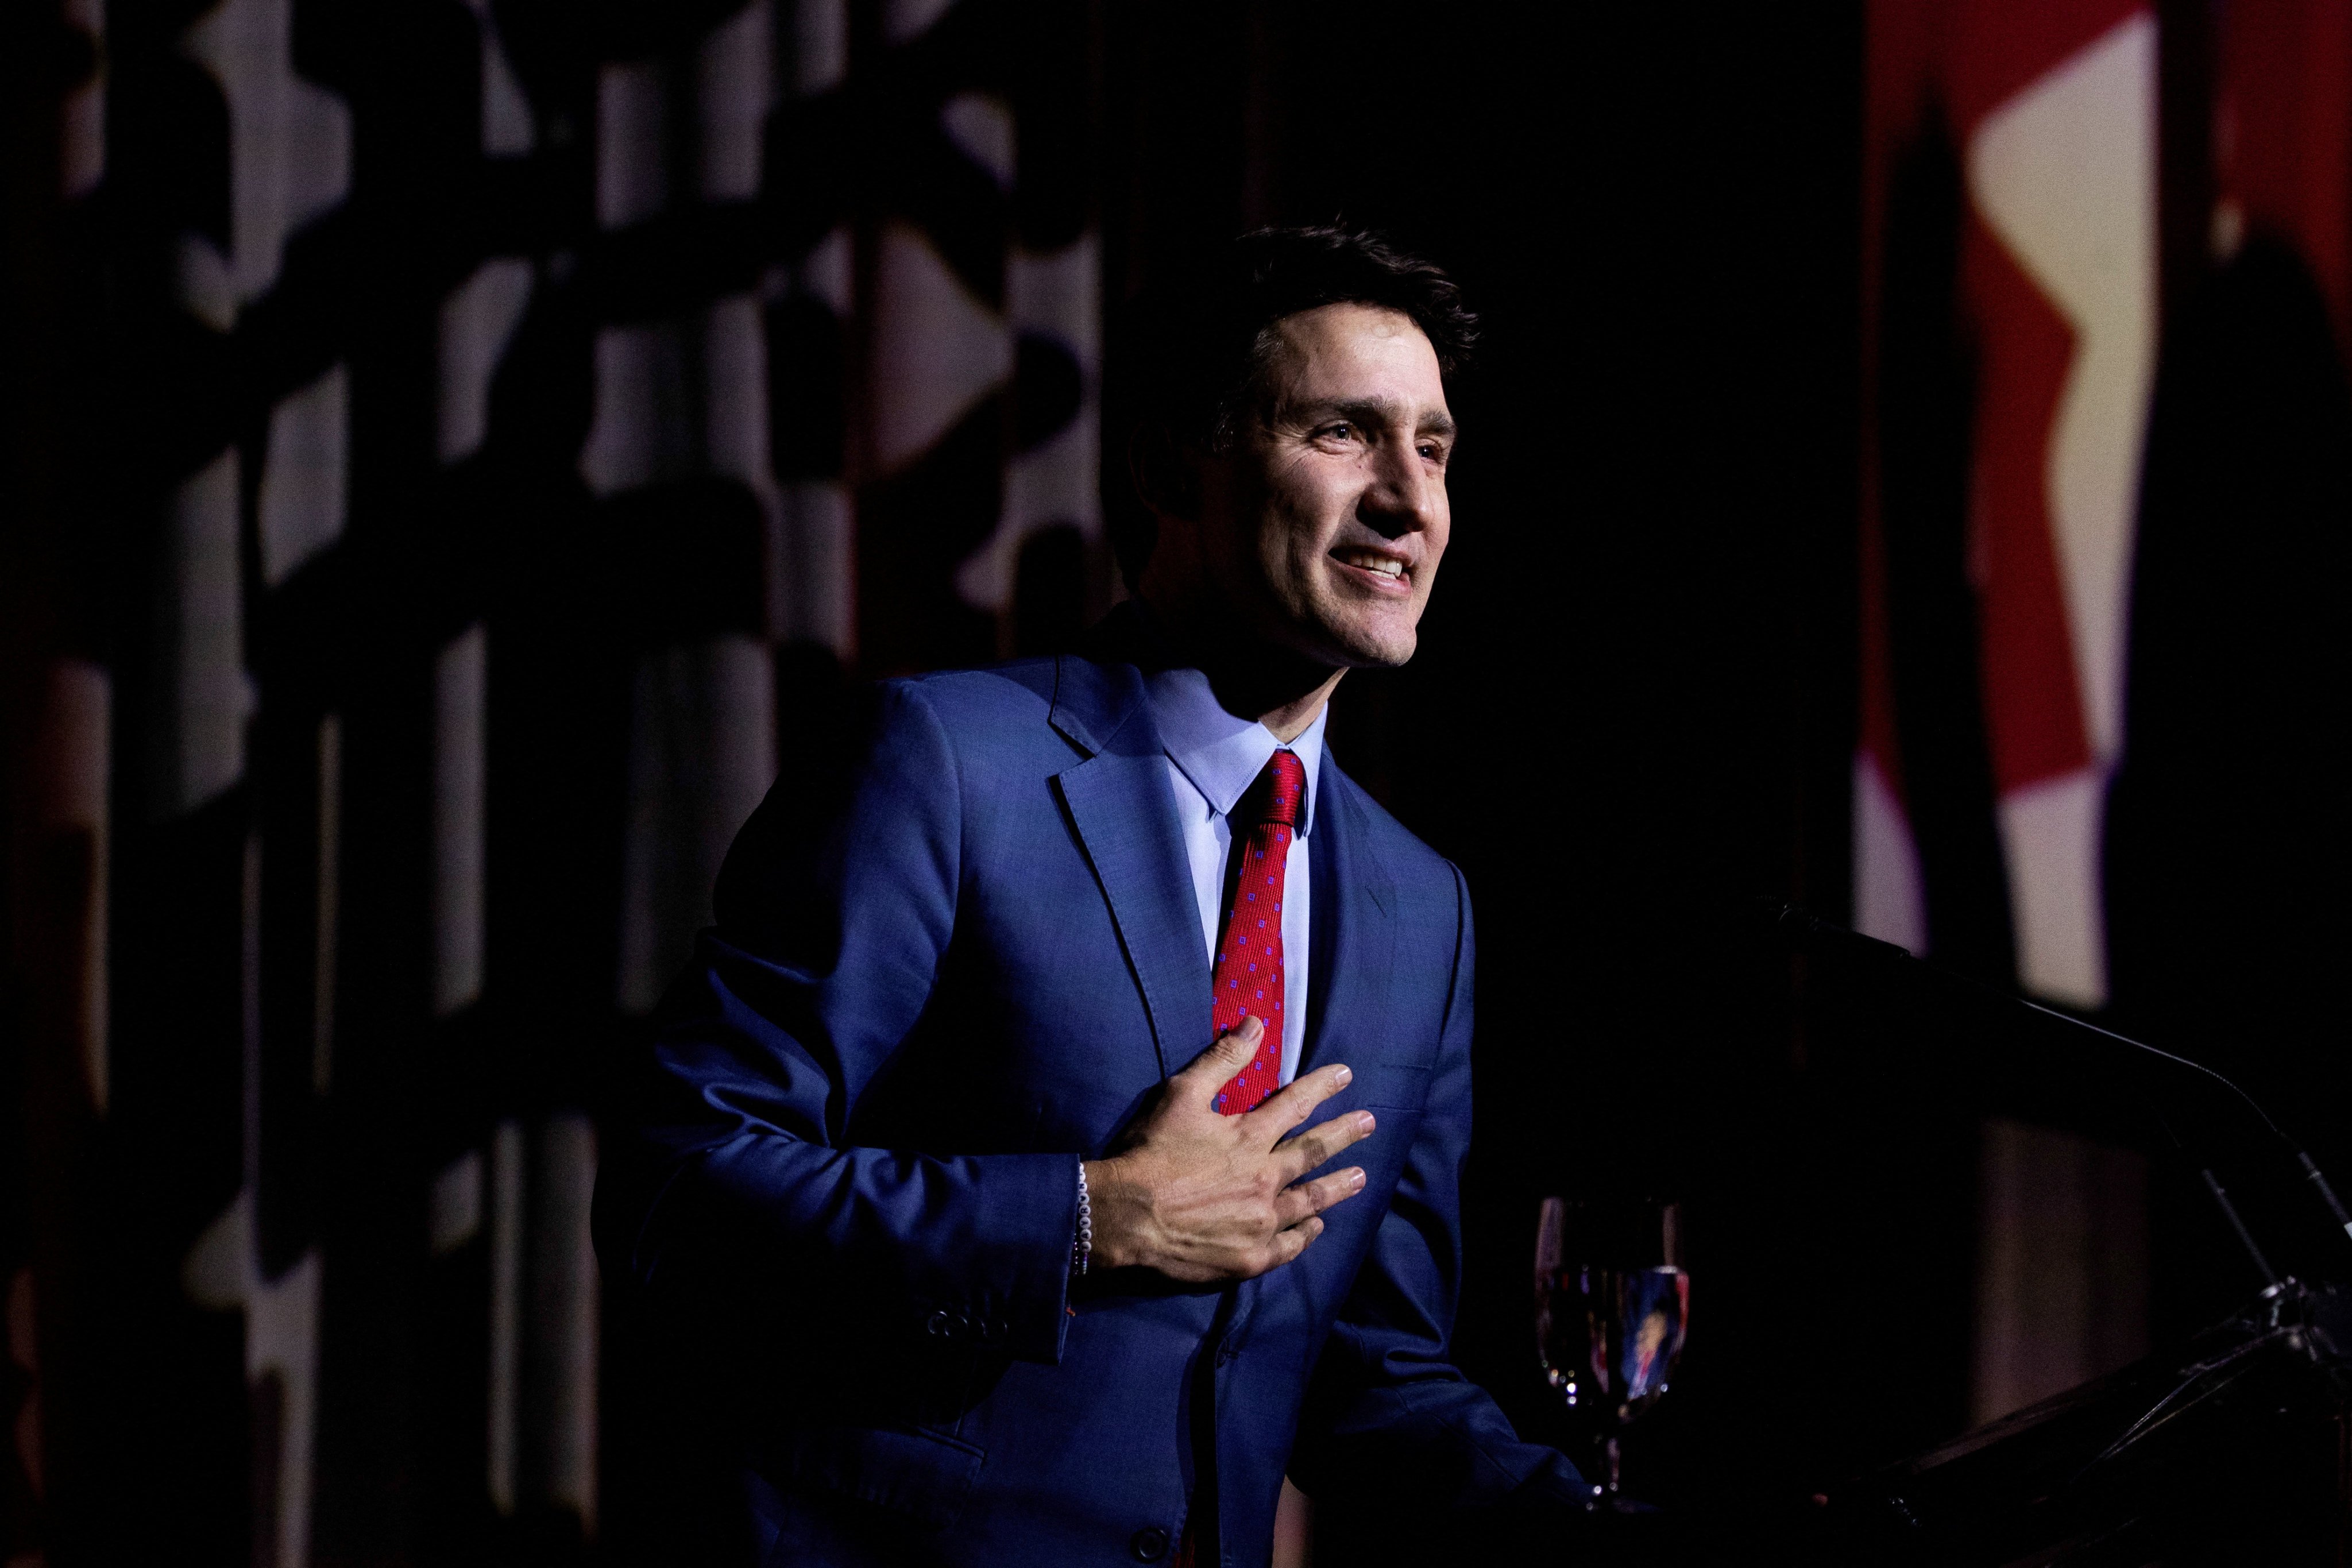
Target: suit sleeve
<point x="729" y="1162"/>
<point x="1387" y="1413"/>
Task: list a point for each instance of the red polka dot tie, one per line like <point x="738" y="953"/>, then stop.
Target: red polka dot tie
<point x="1249" y="957"/>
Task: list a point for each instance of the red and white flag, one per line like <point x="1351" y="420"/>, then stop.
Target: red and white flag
<point x="2052" y="108"/>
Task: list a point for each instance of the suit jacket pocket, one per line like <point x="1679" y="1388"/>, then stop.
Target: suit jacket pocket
<point x="923" y="1475"/>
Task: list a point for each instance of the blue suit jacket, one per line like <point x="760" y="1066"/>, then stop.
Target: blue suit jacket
<point x="844" y="1184"/>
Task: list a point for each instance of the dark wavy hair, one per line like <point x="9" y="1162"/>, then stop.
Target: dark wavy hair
<point x="1202" y="342"/>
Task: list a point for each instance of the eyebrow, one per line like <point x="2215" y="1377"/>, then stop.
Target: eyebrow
<point x="1375" y="410"/>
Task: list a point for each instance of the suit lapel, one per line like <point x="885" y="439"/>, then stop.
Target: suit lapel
<point x="1351" y="925"/>
<point x="1121" y="809"/>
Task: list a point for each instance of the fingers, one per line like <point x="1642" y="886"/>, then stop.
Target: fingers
<point x="1313" y="1197"/>
<point x="1214" y="1068"/>
<point x="1293" y="1103"/>
<point x="1310" y="1149"/>
<point x="1287" y="1247"/>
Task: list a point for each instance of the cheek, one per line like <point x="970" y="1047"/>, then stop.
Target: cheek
<point x="1301" y="507"/>
<point x="1298" y="528"/>
<point x="1433" y="544"/>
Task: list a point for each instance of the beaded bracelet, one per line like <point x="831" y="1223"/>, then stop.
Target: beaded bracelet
<point x="1082" y="1246"/>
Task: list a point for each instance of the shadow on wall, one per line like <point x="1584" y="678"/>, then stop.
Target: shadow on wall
<point x="480" y="447"/>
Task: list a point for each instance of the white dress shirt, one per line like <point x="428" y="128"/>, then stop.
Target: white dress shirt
<point x="1212" y="758"/>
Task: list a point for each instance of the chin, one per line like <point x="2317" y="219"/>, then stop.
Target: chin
<point x="1373" y="648"/>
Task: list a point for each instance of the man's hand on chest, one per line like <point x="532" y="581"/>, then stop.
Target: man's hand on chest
<point x="1204" y="1198"/>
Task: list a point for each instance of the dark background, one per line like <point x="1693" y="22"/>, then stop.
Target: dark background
<point x="1643" y="640"/>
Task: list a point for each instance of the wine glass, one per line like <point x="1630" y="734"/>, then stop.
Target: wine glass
<point x="1613" y="1309"/>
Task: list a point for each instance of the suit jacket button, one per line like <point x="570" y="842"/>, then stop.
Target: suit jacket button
<point x="1150" y="1544"/>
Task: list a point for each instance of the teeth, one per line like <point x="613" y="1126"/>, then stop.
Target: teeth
<point x="1372" y="563"/>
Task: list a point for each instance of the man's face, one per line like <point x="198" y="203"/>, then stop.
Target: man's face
<point x="1325" y="523"/>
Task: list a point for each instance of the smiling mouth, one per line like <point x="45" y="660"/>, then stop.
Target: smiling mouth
<point x="1387" y="569"/>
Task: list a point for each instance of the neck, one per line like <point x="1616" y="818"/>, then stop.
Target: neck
<point x="1289" y="719"/>
<point x="1253" y="677"/>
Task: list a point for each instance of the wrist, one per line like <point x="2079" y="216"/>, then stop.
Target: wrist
<point x="1111" y="1201"/>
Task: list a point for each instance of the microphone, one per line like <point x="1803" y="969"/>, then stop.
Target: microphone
<point x="1806" y="929"/>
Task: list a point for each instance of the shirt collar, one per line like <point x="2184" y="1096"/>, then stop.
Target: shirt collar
<point x="1222" y="755"/>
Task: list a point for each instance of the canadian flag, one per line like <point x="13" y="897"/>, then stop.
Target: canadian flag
<point x="2049" y="110"/>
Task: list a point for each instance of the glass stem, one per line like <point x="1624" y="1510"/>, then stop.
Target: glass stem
<point x="1610" y="1461"/>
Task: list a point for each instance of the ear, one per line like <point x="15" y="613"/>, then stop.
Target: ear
<point x="1166" y="472"/>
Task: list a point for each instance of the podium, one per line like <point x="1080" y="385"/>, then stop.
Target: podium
<point x="2234" y="1449"/>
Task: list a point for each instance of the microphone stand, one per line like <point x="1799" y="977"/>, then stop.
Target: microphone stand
<point x="2176" y="1436"/>
<point x="2302" y="1157"/>
<point x="1807" y="929"/>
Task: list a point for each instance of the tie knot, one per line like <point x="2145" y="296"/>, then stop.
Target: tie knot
<point x="1275" y="796"/>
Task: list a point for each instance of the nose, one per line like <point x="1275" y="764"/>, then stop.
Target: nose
<point x="1405" y="496"/>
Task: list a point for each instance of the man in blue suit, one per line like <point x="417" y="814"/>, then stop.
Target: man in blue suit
<point x="1057" y="1140"/>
